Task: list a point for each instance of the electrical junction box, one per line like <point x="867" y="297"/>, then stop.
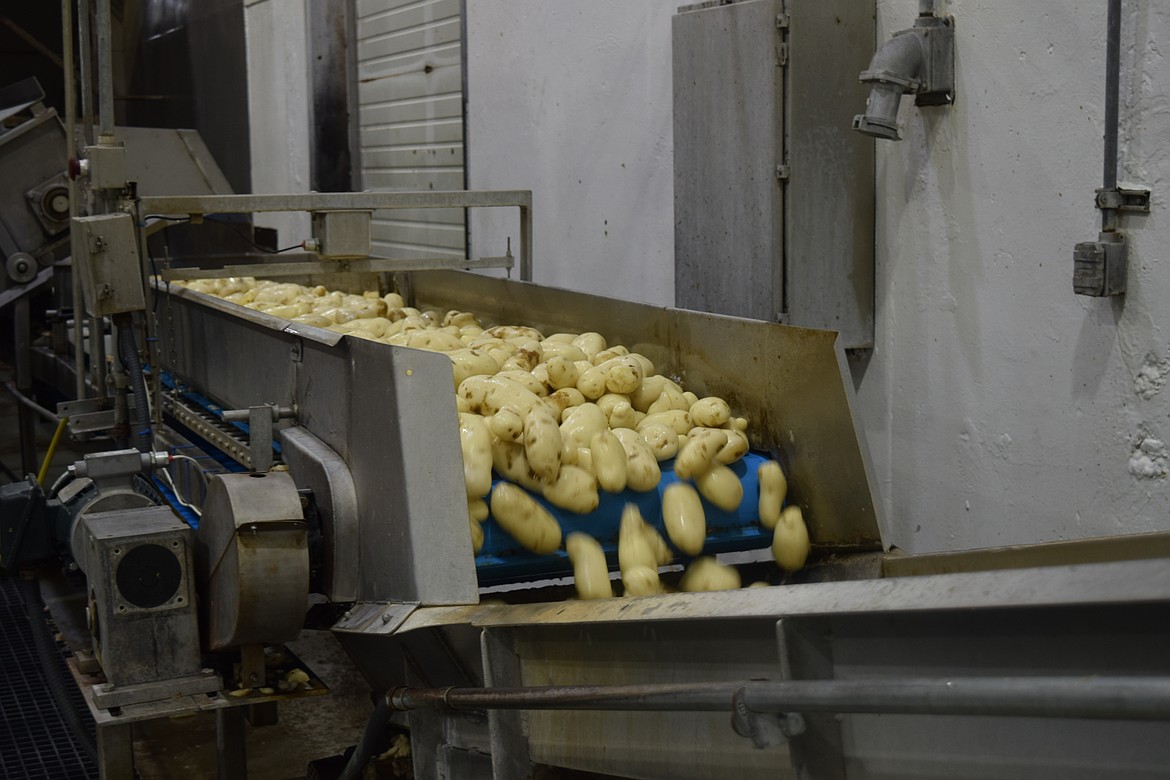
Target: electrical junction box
<point x="342" y="235"/>
<point x="109" y="264"/>
<point x="773" y="190"/>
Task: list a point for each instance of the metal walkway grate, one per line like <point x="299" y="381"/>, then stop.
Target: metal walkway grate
<point x="34" y="740"/>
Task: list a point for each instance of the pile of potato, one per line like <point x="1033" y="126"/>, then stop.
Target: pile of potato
<point x="565" y="416"/>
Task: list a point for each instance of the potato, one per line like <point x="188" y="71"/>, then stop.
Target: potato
<point x="663" y="441"/>
<point x="562" y="373"/>
<point x="634" y="547"/>
<point x="589" y="343"/>
<point x="514" y="331"/>
<point x="667" y="400"/>
<point x="393" y="300"/>
<point x="662" y="553"/>
<point x="525" y="379"/>
<point x="641" y="581"/>
<point x="677" y="420"/>
<point x="562" y="338"/>
<point x="554" y="349"/>
<point x="690" y="398"/>
<point x="624" y="416"/>
<point x="642" y="471"/>
<point x="476" y="443"/>
<point x="738" y="423"/>
<point x="563" y="399"/>
<point x="696" y="457"/>
<point x="648" y="392"/>
<point x="773" y="489"/>
<point x="608" y="402"/>
<point x="683" y="516"/>
<point x="790" y="544"/>
<point x="542" y="442"/>
<point x="432" y="340"/>
<point x="710" y="412"/>
<point x="706" y="573"/>
<point x="488" y="394"/>
<point x="471" y="362"/>
<point x="736" y="447"/>
<point x="609" y="461"/>
<point x="592" y="383"/>
<point x="476" y="536"/>
<point x="524" y="519"/>
<point x="720" y="485"/>
<point x="510" y="463"/>
<point x="526" y="358"/>
<point x="582" y="423"/>
<point x="506" y="424"/>
<point x="477" y="509"/>
<point x="624" y="375"/>
<point x="540" y="373"/>
<point x="590" y="573"/>
<point x="575" y="490"/>
<point x="609" y="353"/>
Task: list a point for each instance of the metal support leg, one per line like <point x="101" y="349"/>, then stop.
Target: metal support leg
<point x="231" y="751"/>
<point x="115" y="746"/>
<point x="509" y="739"/>
<point x="806" y="653"/>
<point x="25" y="416"/>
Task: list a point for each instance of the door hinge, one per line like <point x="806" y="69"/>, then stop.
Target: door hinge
<point x="782" y="54"/>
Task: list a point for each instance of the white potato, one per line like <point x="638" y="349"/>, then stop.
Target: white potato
<point x="506" y="424"/>
<point x="476" y="443"/>
<point x="773" y="489"/>
<point x="624" y="375"/>
<point x="677" y="420"/>
<point x="683" y="516"/>
<point x="562" y="373"/>
<point x="589" y="343"/>
<point x="642" y="471"/>
<point x="720" y="485"/>
<point x="710" y="412"/>
<point x="663" y="441"/>
<point x="542" y="442"/>
<point x="582" y="423"/>
<point x="575" y="490"/>
<point x="608" y="458"/>
<point x="698" y="454"/>
<point x="624" y="416"/>
<point x="736" y="447"/>
<point x="477" y="509"/>
<point x="524" y="519"/>
<point x="590" y="573"/>
<point x="641" y="581"/>
<point x="790" y="543"/>
<point x="634" y="547"/>
<point x="706" y="573"/>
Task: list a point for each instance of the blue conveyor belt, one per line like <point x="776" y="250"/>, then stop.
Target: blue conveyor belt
<point x="502" y="559"/>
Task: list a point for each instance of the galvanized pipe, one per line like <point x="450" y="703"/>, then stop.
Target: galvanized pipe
<point x="1108" y="698"/>
<point x="105" y="66"/>
<point x="85" y="54"/>
<point x="1112" y="87"/>
<point x="74" y="210"/>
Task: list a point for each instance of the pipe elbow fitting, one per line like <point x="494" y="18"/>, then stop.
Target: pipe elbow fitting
<point x="895" y="70"/>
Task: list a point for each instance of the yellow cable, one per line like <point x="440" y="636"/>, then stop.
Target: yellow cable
<point x="52" y="449"/>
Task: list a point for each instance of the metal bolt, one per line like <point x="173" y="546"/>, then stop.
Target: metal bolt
<point x="386" y="617"/>
<point x="106" y="687"/>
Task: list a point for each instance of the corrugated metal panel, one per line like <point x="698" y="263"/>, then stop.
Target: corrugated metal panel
<point x="410" y="96"/>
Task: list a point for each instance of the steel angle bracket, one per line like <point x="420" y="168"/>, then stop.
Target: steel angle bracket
<point x="764" y="729"/>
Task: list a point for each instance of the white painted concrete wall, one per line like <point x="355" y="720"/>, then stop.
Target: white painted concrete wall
<point x="572" y="100"/>
<point x="278" y="106"/>
<point x="1000" y="408"/>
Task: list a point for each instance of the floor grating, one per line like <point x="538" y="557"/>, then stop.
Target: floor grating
<point x="35" y="741"/>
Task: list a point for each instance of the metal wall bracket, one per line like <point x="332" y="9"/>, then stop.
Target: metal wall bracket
<point x="1135" y="201"/>
<point x="1099" y="267"/>
<point x="764" y="729"/>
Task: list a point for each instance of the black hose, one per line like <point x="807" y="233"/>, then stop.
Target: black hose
<point x="371" y="737"/>
<point x="128" y="351"/>
<point x="53" y="667"/>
